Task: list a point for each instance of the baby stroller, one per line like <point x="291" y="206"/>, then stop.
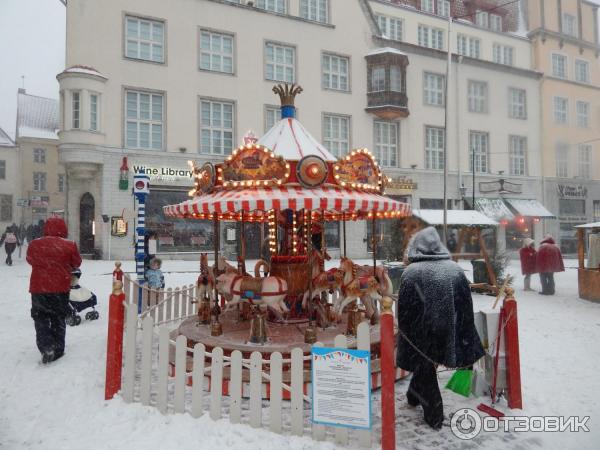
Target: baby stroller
<point x="80" y="298"/>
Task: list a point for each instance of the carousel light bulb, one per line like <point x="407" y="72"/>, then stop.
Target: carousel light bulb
<point x="248" y="146"/>
<point x="235" y="184"/>
<point x="279" y="182"/>
<point x="265" y="183"/>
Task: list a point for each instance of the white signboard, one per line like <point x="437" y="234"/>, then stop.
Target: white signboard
<point x="341" y="387"/>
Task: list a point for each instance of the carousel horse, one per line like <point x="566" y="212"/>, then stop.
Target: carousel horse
<point x="385" y="283"/>
<point x="355" y="287"/>
<point x="269" y="291"/>
<point x="322" y="281"/>
<point x="206" y="280"/>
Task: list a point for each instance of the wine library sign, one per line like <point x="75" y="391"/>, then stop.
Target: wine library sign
<point x="165" y="174"/>
<point x="568" y="191"/>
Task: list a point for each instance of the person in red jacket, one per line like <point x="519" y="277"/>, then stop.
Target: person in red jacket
<point x="528" y="255"/>
<point x="549" y="260"/>
<point x="52" y="258"/>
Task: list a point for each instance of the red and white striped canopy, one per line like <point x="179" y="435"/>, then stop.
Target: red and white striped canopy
<point x="257" y="201"/>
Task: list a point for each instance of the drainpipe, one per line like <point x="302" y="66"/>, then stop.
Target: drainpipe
<point x="457" y="127"/>
<point x="541" y="152"/>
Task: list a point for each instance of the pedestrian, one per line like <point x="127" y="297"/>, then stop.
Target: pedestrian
<point x="155" y="277"/>
<point x="451" y="244"/>
<point x="52" y="258"/>
<point x="528" y="255"/>
<point x="11" y="241"/>
<point x="549" y="260"/>
<point x="435" y="321"/>
<point x="30" y="232"/>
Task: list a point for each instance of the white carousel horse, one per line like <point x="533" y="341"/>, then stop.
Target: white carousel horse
<point x="354" y="287"/>
<point x="269" y="291"/>
<point x="206" y="280"/>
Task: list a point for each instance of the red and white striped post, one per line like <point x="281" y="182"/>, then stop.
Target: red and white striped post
<point x="388" y="377"/>
<point x="114" y="346"/>
<point x="513" y="361"/>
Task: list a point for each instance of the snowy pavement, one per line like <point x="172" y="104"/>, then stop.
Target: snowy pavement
<point x="61" y="406"/>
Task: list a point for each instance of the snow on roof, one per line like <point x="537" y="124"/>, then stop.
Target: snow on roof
<point x="289" y="138"/>
<point x="5" y="140"/>
<point x="493" y="208"/>
<point x="454" y="217"/>
<point x="381" y="50"/>
<point x="589" y="225"/>
<point x="83" y="69"/>
<point x="37" y="117"/>
<point x="529" y="207"/>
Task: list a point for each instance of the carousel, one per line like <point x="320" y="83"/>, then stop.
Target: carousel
<point x="291" y="185"/>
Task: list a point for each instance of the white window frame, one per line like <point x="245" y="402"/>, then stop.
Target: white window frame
<point x="482" y="18"/>
<point x="151" y="43"/>
<point x="562" y="160"/>
<point x="478" y="96"/>
<point x="561" y="115"/>
<point x="468" y="46"/>
<point x="76" y="110"/>
<point x="272" y="110"/>
<point x="276" y="6"/>
<point x="377" y="79"/>
<point x="226" y="134"/>
<point x="141" y="121"/>
<point x="39" y="181"/>
<point x="428" y="6"/>
<point x="495" y="22"/>
<point x="503" y="54"/>
<point x="582" y="76"/>
<point x="517" y="150"/>
<point x="283" y="65"/>
<point x="517" y="103"/>
<point x="391" y="27"/>
<point x="395" y="78"/>
<point x="336" y="80"/>
<point x="558" y="60"/>
<point x="583" y="114"/>
<point x="315" y="10"/>
<point x="433" y="95"/>
<point x="434" y="147"/>
<point x="430" y="37"/>
<point x="479" y="144"/>
<point x="39" y="155"/>
<point x="94" y="111"/>
<point x="443" y="8"/>
<point x="334" y="140"/>
<point x="569" y="25"/>
<point x="386" y="152"/>
<point x="585" y="161"/>
<point x="216" y="57"/>
<point x="61" y="181"/>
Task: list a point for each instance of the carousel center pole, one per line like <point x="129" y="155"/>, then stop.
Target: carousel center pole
<point x="374" y="243"/>
<point x="344" y="231"/>
<point x="310" y="333"/>
<point x="141" y="189"/>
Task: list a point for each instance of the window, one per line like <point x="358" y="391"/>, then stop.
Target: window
<point x="431" y="37"/>
<point x="76" y="106"/>
<point x="482" y="18"/>
<point x="277" y="6"/>
<point x="433" y="89"/>
<point x="496" y="22"/>
<point x="582" y="71"/>
<point x="280" y="62"/>
<point x="444" y="8"/>
<point x="336" y="134"/>
<point x="272" y="116"/>
<point x="144" y="123"/>
<point x="479" y="151"/>
<point x="478" y="92"/>
<point x="216" y="123"/>
<point x="596" y="210"/>
<point x="428" y="6"/>
<point x="391" y="28"/>
<point x="571" y="207"/>
<point x="468" y="46"/>
<point x="559" y="65"/>
<point x="216" y="52"/>
<point x="395" y="79"/>
<point x="2" y="169"/>
<point x="561" y="106"/>
<point x="517" y="103"/>
<point x="39" y="155"/>
<point x="583" y="114"/>
<point x="145" y="39"/>
<point x="585" y="161"/>
<point x="518" y="155"/>
<point x="568" y="25"/>
<point x="332" y="234"/>
<point x="94" y="112"/>
<point x="335" y="72"/>
<point x="562" y="160"/>
<point x="314" y="10"/>
<point x="39" y="181"/>
<point x="434" y="148"/>
<point x="6" y="204"/>
<point x="61" y="182"/>
<point x="503" y="54"/>
<point x="377" y="79"/>
<point x="386" y="143"/>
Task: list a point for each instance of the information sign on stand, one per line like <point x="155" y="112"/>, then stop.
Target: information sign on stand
<point x="341" y="387"/>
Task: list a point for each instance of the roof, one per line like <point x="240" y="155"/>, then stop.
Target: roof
<point x="528" y="207"/>
<point x="493" y="208"/>
<point x="454" y="217"/>
<point x="589" y="225"/>
<point x="289" y="139"/>
<point x="382" y="50"/>
<point x="87" y="70"/>
<point x="37" y="117"/>
<point x="5" y="140"/>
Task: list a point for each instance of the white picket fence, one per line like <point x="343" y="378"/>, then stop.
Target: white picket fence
<point x="146" y="373"/>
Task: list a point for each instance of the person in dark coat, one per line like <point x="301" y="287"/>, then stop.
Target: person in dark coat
<point x="435" y="320"/>
<point x="549" y="260"/>
<point x="10" y="239"/>
<point x="528" y="256"/>
<point x="52" y="259"/>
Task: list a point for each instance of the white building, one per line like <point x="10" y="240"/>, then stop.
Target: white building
<point x="8" y="181"/>
<point x="178" y="81"/>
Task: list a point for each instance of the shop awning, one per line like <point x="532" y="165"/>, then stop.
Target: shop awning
<point x="257" y="201"/>
<point x="589" y="225"/>
<point x="455" y="217"/>
<point x="529" y="207"/>
<point x="494" y="208"/>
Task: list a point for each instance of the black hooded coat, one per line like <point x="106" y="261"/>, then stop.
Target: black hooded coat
<point x="435" y="308"/>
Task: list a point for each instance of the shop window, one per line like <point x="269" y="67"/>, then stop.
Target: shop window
<point x="568" y="237"/>
<point x="516" y="232"/>
<point x="571" y="207"/>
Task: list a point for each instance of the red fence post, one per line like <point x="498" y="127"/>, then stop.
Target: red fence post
<point x="388" y="377"/>
<point x="114" y="346"/>
<point x="513" y="361"/>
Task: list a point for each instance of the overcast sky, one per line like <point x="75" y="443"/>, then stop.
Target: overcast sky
<point x="32" y="43"/>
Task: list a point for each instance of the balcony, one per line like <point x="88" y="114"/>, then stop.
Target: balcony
<point x="386" y="83"/>
<point x="387" y="105"/>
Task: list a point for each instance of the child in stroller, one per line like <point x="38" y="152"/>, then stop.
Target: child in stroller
<point x="80" y="298"/>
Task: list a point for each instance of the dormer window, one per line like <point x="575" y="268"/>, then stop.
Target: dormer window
<point x="495" y="22"/>
<point x="482" y="18"/>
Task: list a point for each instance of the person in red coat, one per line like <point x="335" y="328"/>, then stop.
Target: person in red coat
<point x="549" y="260"/>
<point x="528" y="255"/>
<point x="52" y="258"/>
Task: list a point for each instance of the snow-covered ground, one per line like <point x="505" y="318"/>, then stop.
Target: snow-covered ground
<point x="61" y="406"/>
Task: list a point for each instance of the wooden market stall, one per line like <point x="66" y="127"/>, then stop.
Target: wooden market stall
<point x="588" y="275"/>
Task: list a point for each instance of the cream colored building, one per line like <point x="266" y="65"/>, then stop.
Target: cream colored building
<point x="187" y="80"/>
<point x="564" y="36"/>
<point x="8" y="181"/>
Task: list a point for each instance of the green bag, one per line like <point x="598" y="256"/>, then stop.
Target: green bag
<point x="460" y="382"/>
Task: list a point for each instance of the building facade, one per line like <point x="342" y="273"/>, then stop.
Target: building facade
<point x="8" y="181"/>
<point x="179" y="83"/>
